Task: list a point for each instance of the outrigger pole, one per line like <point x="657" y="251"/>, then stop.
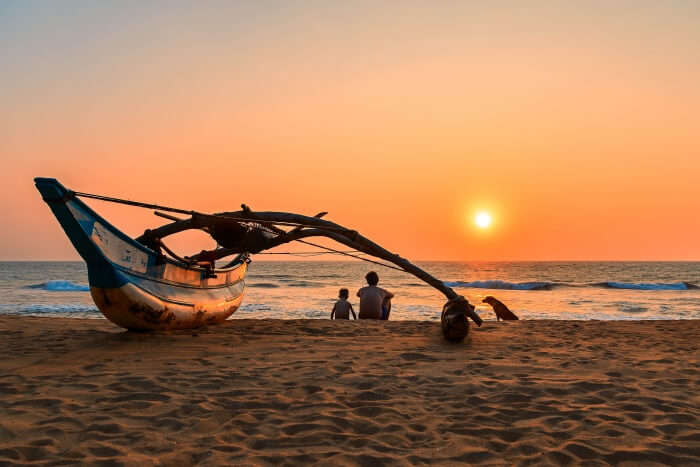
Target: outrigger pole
<point x="248" y="231"/>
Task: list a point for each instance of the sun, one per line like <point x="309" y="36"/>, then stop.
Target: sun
<point x="482" y="220"/>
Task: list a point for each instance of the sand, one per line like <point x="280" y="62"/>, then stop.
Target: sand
<point x="252" y="392"/>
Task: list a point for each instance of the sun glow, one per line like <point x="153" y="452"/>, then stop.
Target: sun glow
<point x="482" y="219"/>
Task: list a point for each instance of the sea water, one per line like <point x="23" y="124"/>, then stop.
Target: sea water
<point x="291" y="290"/>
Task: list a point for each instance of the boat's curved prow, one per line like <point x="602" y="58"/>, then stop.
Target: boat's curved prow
<point x="134" y="286"/>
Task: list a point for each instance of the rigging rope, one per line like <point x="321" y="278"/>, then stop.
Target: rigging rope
<point x="348" y="254"/>
<point x="301" y="253"/>
<point x="133" y="203"/>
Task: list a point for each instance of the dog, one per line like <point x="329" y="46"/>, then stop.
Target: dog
<point x="502" y="311"/>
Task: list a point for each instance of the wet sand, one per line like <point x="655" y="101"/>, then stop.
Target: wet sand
<point x="253" y="392"/>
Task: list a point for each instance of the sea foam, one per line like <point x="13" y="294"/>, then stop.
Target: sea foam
<point x="60" y="286"/>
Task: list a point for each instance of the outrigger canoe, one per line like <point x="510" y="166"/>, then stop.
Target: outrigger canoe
<point x="136" y="287"/>
<point x="141" y="284"/>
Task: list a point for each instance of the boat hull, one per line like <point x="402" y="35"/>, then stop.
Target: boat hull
<point x="132" y="308"/>
<point x="136" y="287"/>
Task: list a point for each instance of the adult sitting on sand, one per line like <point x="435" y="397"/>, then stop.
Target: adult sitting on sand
<point x="375" y="302"/>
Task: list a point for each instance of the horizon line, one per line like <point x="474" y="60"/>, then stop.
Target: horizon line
<point x="415" y="261"/>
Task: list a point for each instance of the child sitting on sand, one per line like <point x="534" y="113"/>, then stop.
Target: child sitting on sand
<point x="343" y="308"/>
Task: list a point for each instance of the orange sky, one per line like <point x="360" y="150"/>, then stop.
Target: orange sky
<point x="576" y="126"/>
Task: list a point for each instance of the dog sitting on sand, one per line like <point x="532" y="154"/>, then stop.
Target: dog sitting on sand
<point x="502" y="311"/>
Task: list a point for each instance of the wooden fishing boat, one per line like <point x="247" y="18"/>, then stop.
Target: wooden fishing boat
<point x="139" y="288"/>
<point x="141" y="284"/>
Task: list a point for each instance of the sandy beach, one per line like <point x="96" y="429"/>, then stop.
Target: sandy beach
<point x="253" y="392"/>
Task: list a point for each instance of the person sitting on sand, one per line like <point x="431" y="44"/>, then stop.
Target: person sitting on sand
<point x="343" y="308"/>
<point x="375" y="302"/>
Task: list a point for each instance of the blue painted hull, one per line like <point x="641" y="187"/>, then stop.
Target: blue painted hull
<point x="134" y="286"/>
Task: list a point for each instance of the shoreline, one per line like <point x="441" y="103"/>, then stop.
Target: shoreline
<point x="261" y="391"/>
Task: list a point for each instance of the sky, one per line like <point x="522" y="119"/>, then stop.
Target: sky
<point x="574" y="124"/>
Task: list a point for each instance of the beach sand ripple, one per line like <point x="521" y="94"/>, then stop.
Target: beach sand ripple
<point x="357" y="393"/>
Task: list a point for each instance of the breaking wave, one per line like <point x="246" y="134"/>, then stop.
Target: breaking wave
<point x="60" y="286"/>
<point x="503" y="285"/>
<point x="647" y="286"/>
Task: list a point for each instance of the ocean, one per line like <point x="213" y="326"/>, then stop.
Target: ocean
<point x="292" y="290"/>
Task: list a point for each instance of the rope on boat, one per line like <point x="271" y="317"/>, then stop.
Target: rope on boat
<point x="349" y="254"/>
<point x="133" y="203"/>
<point x="302" y="253"/>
